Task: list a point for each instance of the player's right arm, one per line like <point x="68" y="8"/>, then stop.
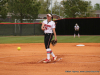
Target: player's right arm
<point x="42" y="27"/>
<point x="74" y="28"/>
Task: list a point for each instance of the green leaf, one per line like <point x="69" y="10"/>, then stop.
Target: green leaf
<point x="24" y="9"/>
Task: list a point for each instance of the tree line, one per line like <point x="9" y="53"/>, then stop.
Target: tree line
<point x="29" y="9"/>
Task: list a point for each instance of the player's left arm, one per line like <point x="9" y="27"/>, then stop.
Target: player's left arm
<point x="54" y="26"/>
<point x="55" y="34"/>
<point x="78" y="27"/>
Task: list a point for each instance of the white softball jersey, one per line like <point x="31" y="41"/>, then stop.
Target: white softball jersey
<point x="49" y="26"/>
<point x="76" y="27"/>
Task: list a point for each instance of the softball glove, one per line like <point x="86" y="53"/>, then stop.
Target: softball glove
<point x="53" y="42"/>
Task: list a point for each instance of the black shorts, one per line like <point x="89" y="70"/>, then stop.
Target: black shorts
<point x="47" y="39"/>
<point x="76" y="32"/>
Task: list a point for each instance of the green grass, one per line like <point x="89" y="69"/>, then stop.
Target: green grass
<point x="40" y="39"/>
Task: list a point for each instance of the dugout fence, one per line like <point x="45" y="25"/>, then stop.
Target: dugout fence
<point x="88" y="26"/>
<point x="20" y="29"/>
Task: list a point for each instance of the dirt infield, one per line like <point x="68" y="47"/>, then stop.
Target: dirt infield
<point x="72" y="60"/>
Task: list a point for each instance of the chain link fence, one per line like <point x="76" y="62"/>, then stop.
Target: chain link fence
<point x="20" y="29"/>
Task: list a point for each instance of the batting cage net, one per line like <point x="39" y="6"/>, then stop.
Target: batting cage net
<point x="19" y="29"/>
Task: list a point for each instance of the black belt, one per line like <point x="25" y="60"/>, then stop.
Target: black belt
<point x="47" y="33"/>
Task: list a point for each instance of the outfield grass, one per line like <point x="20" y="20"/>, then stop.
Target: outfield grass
<point x="40" y="39"/>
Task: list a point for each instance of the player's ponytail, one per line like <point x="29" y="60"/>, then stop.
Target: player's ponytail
<point x="52" y="18"/>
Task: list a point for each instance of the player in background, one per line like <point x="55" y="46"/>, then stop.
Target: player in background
<point x="76" y="27"/>
<point x="48" y="26"/>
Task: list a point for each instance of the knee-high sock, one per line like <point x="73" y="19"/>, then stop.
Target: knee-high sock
<point x="48" y="53"/>
<point x="78" y="35"/>
<point x="74" y="35"/>
<point x="52" y="53"/>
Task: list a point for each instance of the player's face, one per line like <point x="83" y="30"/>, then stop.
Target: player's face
<point x="48" y="17"/>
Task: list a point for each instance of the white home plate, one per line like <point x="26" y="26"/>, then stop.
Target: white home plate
<point x="80" y="45"/>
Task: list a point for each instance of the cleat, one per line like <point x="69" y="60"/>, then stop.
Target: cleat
<point x="54" y="58"/>
<point x="47" y="61"/>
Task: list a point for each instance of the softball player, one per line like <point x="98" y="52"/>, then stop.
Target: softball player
<point x="76" y="27"/>
<point x="48" y="26"/>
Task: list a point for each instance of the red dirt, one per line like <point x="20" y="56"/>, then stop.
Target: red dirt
<point x="28" y="61"/>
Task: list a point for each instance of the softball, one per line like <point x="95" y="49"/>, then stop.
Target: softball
<point x="18" y="48"/>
